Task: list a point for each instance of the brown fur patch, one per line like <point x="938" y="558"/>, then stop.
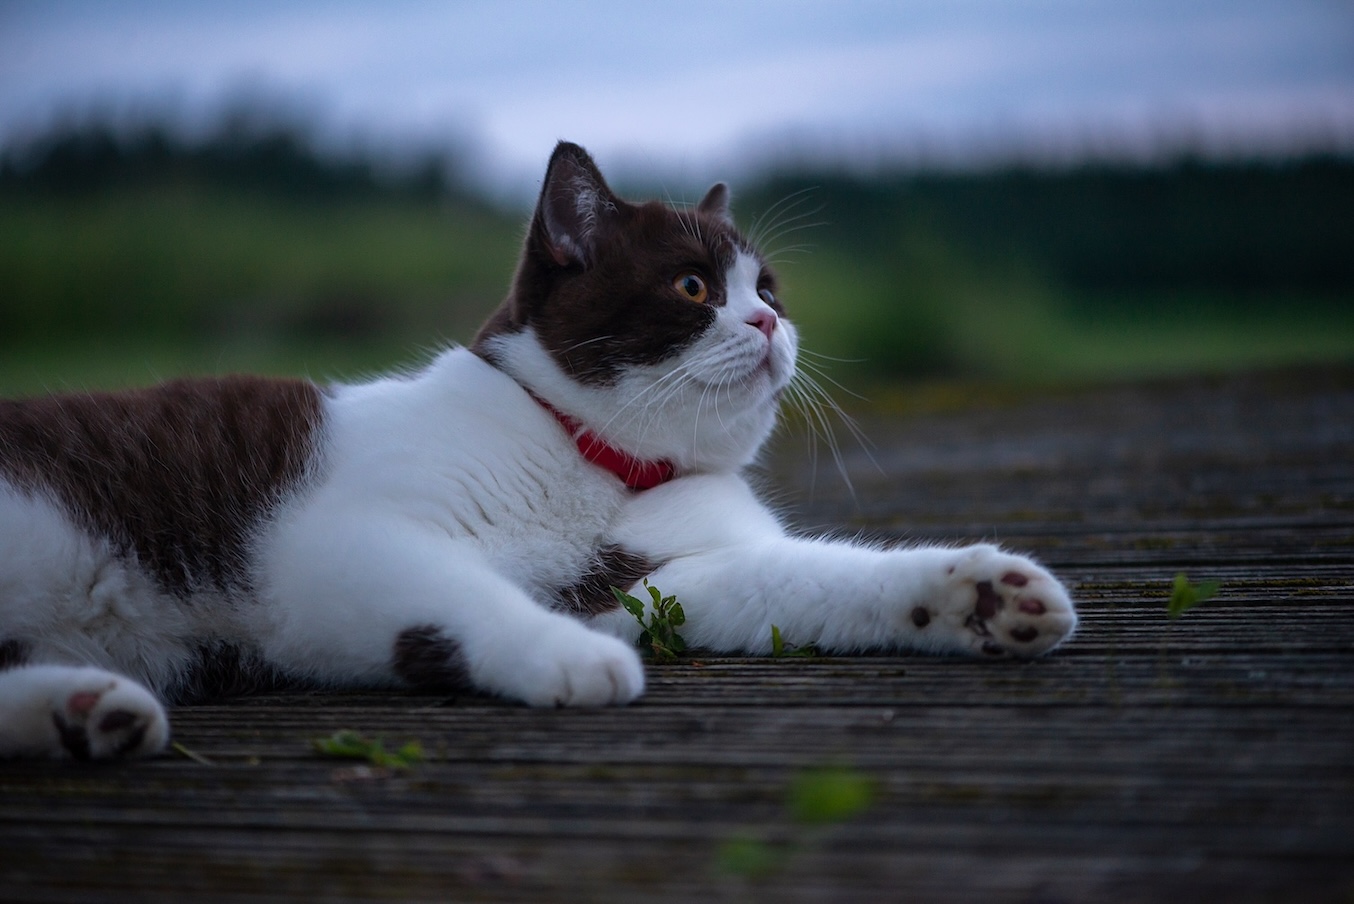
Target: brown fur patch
<point x="224" y="670"/>
<point x="428" y="660"/>
<point x="605" y="298"/>
<point x="13" y="653"/>
<point x="612" y="567"/>
<point x="178" y="475"/>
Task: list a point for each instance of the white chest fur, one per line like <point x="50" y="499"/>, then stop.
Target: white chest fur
<point x="462" y="449"/>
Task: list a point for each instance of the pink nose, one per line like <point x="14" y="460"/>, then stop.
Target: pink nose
<point x="764" y="320"/>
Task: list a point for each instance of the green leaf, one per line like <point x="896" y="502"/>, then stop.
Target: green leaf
<point x="348" y="744"/>
<point x="659" y="635"/>
<point x="749" y="857"/>
<point x="344" y="743"/>
<point x="633" y="606"/>
<point x="830" y="795"/>
<point x="1185" y="596"/>
<point x="410" y="753"/>
<point x="779" y="648"/>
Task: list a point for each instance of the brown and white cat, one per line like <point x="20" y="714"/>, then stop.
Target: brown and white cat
<point x="461" y="525"/>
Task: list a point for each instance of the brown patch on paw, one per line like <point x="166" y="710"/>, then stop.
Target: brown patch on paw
<point x="1025" y="634"/>
<point x="921" y="617"/>
<point x="426" y="659"/>
<point x="977" y="626"/>
<point x="1014" y="579"/>
<point x="117" y="720"/>
<point x="989" y="601"/>
<point x="1031" y="606"/>
<point x="73" y="737"/>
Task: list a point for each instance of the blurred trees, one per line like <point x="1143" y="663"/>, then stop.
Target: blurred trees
<point x="252" y="234"/>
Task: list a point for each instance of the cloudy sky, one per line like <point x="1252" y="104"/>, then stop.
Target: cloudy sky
<point x="700" y="86"/>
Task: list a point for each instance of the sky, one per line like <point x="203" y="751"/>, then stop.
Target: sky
<point x="699" y="88"/>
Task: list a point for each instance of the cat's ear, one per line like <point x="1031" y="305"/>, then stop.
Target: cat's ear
<point x="575" y="205"/>
<point x="716" y="203"/>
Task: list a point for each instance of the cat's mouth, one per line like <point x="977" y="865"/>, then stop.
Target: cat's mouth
<point x="765" y="374"/>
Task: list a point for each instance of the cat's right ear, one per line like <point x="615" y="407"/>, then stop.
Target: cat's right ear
<point x="575" y="206"/>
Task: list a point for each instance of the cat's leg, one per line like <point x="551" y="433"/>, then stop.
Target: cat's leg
<point x="736" y="574"/>
<point x="79" y="712"/>
<point x="399" y="602"/>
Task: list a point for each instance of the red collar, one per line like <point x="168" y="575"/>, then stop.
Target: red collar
<point x="633" y="472"/>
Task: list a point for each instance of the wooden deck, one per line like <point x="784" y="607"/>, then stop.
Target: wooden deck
<point x="1210" y="758"/>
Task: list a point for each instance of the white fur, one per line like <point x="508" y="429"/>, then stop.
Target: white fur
<point x="451" y="499"/>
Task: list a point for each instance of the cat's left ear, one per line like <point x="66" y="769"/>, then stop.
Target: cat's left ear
<point x="716" y="203"/>
<point x="575" y="206"/>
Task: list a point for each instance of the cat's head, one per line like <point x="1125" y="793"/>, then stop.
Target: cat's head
<point x="657" y="328"/>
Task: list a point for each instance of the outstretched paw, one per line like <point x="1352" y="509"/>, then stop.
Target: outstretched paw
<point x="1006" y="604"/>
<point x="101" y="716"/>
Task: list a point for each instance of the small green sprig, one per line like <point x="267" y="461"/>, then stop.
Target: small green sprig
<point x="350" y="745"/>
<point x="1185" y="596"/>
<point x="780" y="648"/>
<point x="816" y="800"/>
<point x="659" y="635"/>
<point x="830" y="794"/>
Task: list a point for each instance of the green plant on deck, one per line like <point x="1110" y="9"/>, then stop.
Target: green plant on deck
<point x="348" y="744"/>
<point x="779" y="648"/>
<point x="816" y="798"/>
<point x="1185" y="596"/>
<point x="659" y="636"/>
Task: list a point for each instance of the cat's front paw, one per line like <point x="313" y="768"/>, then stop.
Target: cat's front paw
<point x="997" y="604"/>
<point x="101" y="716"/>
<point x="579" y="668"/>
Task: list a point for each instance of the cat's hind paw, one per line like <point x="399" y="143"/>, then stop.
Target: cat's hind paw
<point x="101" y="716"/>
<point x="1006" y="605"/>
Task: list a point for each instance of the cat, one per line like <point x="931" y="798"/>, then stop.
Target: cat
<point x="462" y="525"/>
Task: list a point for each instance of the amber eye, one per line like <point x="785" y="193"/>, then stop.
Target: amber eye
<point x="692" y="287"/>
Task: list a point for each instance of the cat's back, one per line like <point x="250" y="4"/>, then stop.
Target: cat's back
<point x="175" y="475"/>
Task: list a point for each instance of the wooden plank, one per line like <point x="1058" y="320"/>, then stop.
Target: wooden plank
<point x="1203" y="758"/>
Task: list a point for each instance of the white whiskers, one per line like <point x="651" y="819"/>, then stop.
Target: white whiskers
<point x="815" y="404"/>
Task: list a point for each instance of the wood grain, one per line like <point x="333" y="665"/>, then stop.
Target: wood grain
<point x="1207" y="758"/>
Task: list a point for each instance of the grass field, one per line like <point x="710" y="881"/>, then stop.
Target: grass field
<point x="123" y="288"/>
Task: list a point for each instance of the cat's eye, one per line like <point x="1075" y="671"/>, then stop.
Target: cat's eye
<point x="692" y="287"/>
<point x="766" y="296"/>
